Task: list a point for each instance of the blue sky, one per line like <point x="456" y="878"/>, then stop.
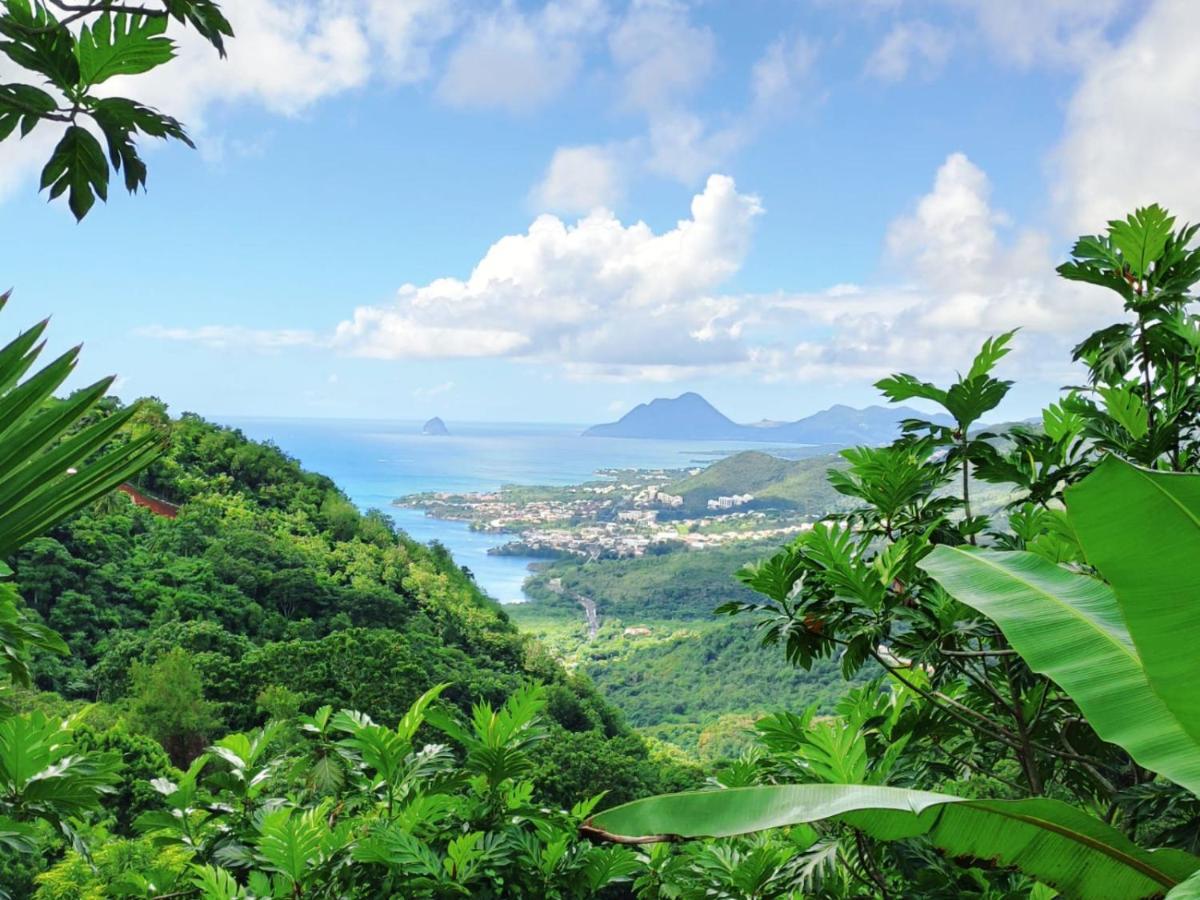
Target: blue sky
<point x="552" y="212"/>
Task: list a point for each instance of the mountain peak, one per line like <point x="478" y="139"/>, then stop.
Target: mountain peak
<point x="686" y="417"/>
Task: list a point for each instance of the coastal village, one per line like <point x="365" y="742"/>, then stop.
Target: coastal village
<point x="631" y="514"/>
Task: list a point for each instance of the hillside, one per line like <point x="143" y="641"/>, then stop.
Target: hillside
<point x="799" y="484"/>
<point x="276" y="589"/>
<point x="690" y="417"/>
<point x="678" y="673"/>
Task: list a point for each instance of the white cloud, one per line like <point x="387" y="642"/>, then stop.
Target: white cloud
<point x="600" y="300"/>
<point x="595" y="292"/>
<point x="661" y="55"/>
<point x="784" y="65"/>
<point x="287" y="56"/>
<point x="907" y="46"/>
<point x="1132" y="134"/>
<point x="950" y="237"/>
<point x="514" y="61"/>
<point x="407" y="32"/>
<point x="224" y="337"/>
<point x="1047" y="32"/>
<point x="580" y="179"/>
<point x="1022" y="34"/>
<point x="964" y="277"/>
<point x="663" y="58"/>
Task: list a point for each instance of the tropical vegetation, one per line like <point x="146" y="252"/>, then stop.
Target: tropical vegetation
<point x="1039" y="715"/>
<point x="239" y="686"/>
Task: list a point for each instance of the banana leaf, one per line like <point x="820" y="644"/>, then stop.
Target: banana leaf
<point x="1069" y="627"/>
<point x="1061" y="846"/>
<point x="1141" y="530"/>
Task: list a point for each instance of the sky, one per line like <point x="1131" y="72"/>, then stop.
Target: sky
<point x="526" y="211"/>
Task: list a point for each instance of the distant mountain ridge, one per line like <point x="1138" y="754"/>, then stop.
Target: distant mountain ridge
<point x="690" y="417"/>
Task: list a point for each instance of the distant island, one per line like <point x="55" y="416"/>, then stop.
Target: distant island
<point x="690" y="417"/>
<point x="435" y="426"/>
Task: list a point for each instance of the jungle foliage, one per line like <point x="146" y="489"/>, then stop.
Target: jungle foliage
<point x="255" y="669"/>
<point x="1039" y="719"/>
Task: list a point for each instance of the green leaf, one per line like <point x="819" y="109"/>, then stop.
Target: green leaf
<point x="17" y="836"/>
<point x="1141" y="237"/>
<point x="214" y="883"/>
<point x="77" y="164"/>
<point x="24" y="105"/>
<point x="899" y="388"/>
<point x="119" y="120"/>
<point x="1141" y="529"/>
<point x="1061" y="423"/>
<point x="1048" y="840"/>
<point x="967" y="400"/>
<point x="1124" y="404"/>
<point x="1188" y="890"/>
<point x="48" y="467"/>
<point x="206" y="17"/>
<point x="993" y="350"/>
<point x="37" y="42"/>
<point x="1069" y="628"/>
<point x="290" y="841"/>
<point x="121" y="44"/>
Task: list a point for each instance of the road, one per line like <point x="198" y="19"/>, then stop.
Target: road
<point x="589" y="606"/>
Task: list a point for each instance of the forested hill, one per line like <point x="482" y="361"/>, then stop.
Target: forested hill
<point x="274" y="595"/>
<point x="801" y="484"/>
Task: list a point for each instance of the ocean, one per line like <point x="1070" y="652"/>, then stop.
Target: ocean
<point x="375" y="462"/>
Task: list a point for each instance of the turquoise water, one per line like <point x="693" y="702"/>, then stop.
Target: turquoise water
<point x="375" y="462"/>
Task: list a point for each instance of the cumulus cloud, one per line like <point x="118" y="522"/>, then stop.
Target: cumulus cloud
<point x="580" y="179"/>
<point x="601" y="300"/>
<point x="963" y="274"/>
<point x="596" y="292"/>
<point x="1132" y="134"/>
<point x="612" y="302"/>
<point x="908" y="46"/>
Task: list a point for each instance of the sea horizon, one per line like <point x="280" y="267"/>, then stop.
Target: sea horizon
<point x="376" y="461"/>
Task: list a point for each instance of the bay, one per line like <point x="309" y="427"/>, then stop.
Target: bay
<point x="375" y="462"/>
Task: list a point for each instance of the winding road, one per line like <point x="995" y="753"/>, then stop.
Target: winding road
<point x="589" y="606"/>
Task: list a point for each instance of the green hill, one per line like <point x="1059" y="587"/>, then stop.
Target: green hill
<point x="799" y="484"/>
<point x="278" y="591"/>
<point x="677" y="672"/>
